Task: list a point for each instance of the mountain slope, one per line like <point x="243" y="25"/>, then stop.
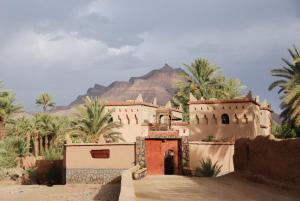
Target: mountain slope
<point x="160" y="83"/>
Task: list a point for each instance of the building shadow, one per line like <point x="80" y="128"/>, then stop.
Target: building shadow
<point x="109" y="192"/>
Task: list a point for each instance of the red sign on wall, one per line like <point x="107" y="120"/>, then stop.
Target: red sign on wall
<point x="100" y="153"/>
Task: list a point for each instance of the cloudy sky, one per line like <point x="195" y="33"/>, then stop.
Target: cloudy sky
<point x="64" y="47"/>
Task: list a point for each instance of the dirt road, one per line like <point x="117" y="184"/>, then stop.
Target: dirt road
<point x="225" y="188"/>
<point x="78" y="192"/>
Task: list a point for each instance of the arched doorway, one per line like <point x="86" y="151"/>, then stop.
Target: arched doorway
<point x="169" y="162"/>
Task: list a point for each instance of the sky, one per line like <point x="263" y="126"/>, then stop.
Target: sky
<point x="65" y="47"/>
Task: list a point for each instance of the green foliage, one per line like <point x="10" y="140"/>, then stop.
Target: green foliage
<point x="288" y="85"/>
<point x="45" y="101"/>
<point x="53" y="154"/>
<point x="208" y="169"/>
<point x="205" y="80"/>
<point x="7" y="105"/>
<point x="284" y="131"/>
<point x="8" y="153"/>
<point x="94" y="122"/>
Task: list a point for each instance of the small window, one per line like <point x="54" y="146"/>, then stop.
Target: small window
<point x="225" y="119"/>
<point x="136" y="119"/>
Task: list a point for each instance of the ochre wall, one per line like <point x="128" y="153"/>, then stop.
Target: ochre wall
<point x="222" y="152"/>
<point x="272" y="158"/>
<point x="239" y="126"/>
<point x="79" y="156"/>
<point x="132" y="118"/>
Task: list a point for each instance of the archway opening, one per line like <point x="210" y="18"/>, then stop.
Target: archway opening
<point x="169" y="162"/>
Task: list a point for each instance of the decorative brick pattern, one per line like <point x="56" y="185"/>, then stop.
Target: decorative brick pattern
<point x="92" y="176"/>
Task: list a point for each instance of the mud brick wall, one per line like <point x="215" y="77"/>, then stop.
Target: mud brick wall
<point x="275" y="159"/>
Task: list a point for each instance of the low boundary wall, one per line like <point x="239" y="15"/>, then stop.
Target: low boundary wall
<point x="221" y="152"/>
<point x="127" y="192"/>
<point x="82" y="166"/>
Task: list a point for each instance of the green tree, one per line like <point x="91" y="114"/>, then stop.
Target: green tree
<point x="288" y="86"/>
<point x="45" y="101"/>
<point x="94" y="124"/>
<point x="205" y="80"/>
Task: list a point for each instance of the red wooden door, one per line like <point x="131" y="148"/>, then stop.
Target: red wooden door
<point x="155" y="155"/>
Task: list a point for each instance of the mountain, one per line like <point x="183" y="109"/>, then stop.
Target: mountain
<point x="160" y="83"/>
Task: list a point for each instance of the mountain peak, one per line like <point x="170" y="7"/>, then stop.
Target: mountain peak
<point x="166" y="67"/>
<point x="160" y="83"/>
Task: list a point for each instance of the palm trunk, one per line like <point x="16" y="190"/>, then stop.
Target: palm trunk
<point x="46" y="141"/>
<point x="41" y="144"/>
<point x="36" y="145"/>
<point x="27" y="141"/>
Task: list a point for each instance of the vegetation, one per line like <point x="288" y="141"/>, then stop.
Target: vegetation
<point x="7" y="105"/>
<point x="288" y="86"/>
<point x="205" y="80"/>
<point x="94" y="124"/>
<point x="12" y="151"/>
<point x="45" y="101"/>
<point x="53" y="154"/>
<point x="208" y="169"/>
<point x="284" y="131"/>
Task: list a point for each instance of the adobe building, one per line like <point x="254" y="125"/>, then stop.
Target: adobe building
<point x="158" y="139"/>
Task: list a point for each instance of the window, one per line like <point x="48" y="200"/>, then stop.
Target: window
<point x="136" y="119"/>
<point x="225" y="119"/>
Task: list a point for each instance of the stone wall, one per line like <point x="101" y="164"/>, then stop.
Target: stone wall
<point x="274" y="159"/>
<point x="92" y="176"/>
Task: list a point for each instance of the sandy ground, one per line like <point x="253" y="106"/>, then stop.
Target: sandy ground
<point x="71" y="192"/>
<point x="225" y="188"/>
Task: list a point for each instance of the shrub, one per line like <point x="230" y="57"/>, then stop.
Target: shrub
<point x="284" y="131"/>
<point x="208" y="169"/>
<point x="8" y="153"/>
<point x="53" y="154"/>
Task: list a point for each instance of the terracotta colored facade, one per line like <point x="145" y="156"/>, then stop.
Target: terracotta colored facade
<point x="224" y="120"/>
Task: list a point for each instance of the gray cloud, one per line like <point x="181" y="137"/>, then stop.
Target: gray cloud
<point x="64" y="47"/>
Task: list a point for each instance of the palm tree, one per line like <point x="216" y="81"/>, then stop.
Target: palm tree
<point x="7" y="109"/>
<point x="205" y="80"/>
<point x="288" y="86"/>
<point x="94" y="124"/>
<point x="45" y="101"/>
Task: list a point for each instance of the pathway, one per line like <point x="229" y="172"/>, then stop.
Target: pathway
<point x="227" y="188"/>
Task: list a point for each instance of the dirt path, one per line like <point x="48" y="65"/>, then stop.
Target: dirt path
<point x="80" y="192"/>
<point x="225" y="188"/>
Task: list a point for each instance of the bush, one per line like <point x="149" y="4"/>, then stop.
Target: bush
<point x="284" y="131"/>
<point x="208" y="169"/>
<point x="53" y="154"/>
<point x="8" y="153"/>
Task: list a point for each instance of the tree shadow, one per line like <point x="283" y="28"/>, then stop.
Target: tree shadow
<point x="109" y="192"/>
